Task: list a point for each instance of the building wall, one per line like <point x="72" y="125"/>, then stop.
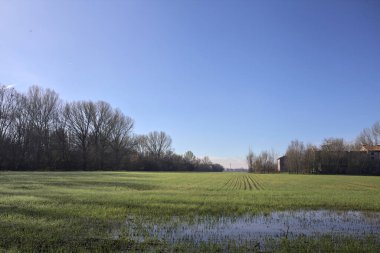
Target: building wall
<point x="374" y="155"/>
<point x="281" y="167"/>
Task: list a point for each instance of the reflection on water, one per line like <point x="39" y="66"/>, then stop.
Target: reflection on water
<point x="258" y="228"/>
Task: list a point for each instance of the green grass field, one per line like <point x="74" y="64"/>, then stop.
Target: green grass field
<point x="76" y="211"/>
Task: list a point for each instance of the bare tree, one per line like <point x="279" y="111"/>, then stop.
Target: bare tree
<point x="190" y="157"/>
<point x="261" y="163"/>
<point x="18" y="134"/>
<point x="101" y="126"/>
<point x="41" y="112"/>
<point x="294" y="156"/>
<point x="250" y="160"/>
<point x="376" y="132"/>
<point x="333" y="154"/>
<point x="264" y="162"/>
<point x="370" y="136"/>
<point x="206" y="161"/>
<point x="38" y="132"/>
<point x="120" y="135"/>
<point x="60" y="143"/>
<point x="8" y="108"/>
<point x="309" y="159"/>
<point x="79" y="117"/>
<point x="333" y="145"/>
<point x="158" y="144"/>
<point x="140" y="144"/>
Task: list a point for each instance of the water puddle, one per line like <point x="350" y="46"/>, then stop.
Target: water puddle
<point x="257" y="228"/>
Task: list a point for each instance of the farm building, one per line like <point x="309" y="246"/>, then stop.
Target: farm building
<point x="372" y="151"/>
<point x="363" y="161"/>
<point x="281" y="166"/>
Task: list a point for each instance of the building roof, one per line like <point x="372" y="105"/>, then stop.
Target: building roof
<point x="371" y="148"/>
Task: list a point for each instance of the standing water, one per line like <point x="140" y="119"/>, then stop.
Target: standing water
<point x="257" y="228"/>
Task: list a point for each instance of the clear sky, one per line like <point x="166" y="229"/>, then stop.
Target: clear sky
<point x="218" y="76"/>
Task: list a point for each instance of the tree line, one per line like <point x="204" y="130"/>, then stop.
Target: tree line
<point x="39" y="131"/>
<point x="264" y="162"/>
<point x="332" y="156"/>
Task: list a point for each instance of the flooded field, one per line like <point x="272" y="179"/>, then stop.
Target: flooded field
<point x="258" y="229"/>
<point x="187" y="212"/>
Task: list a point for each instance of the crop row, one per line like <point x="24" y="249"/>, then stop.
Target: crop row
<point x="243" y="182"/>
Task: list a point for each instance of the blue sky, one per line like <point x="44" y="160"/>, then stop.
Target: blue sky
<point x="218" y="76"/>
